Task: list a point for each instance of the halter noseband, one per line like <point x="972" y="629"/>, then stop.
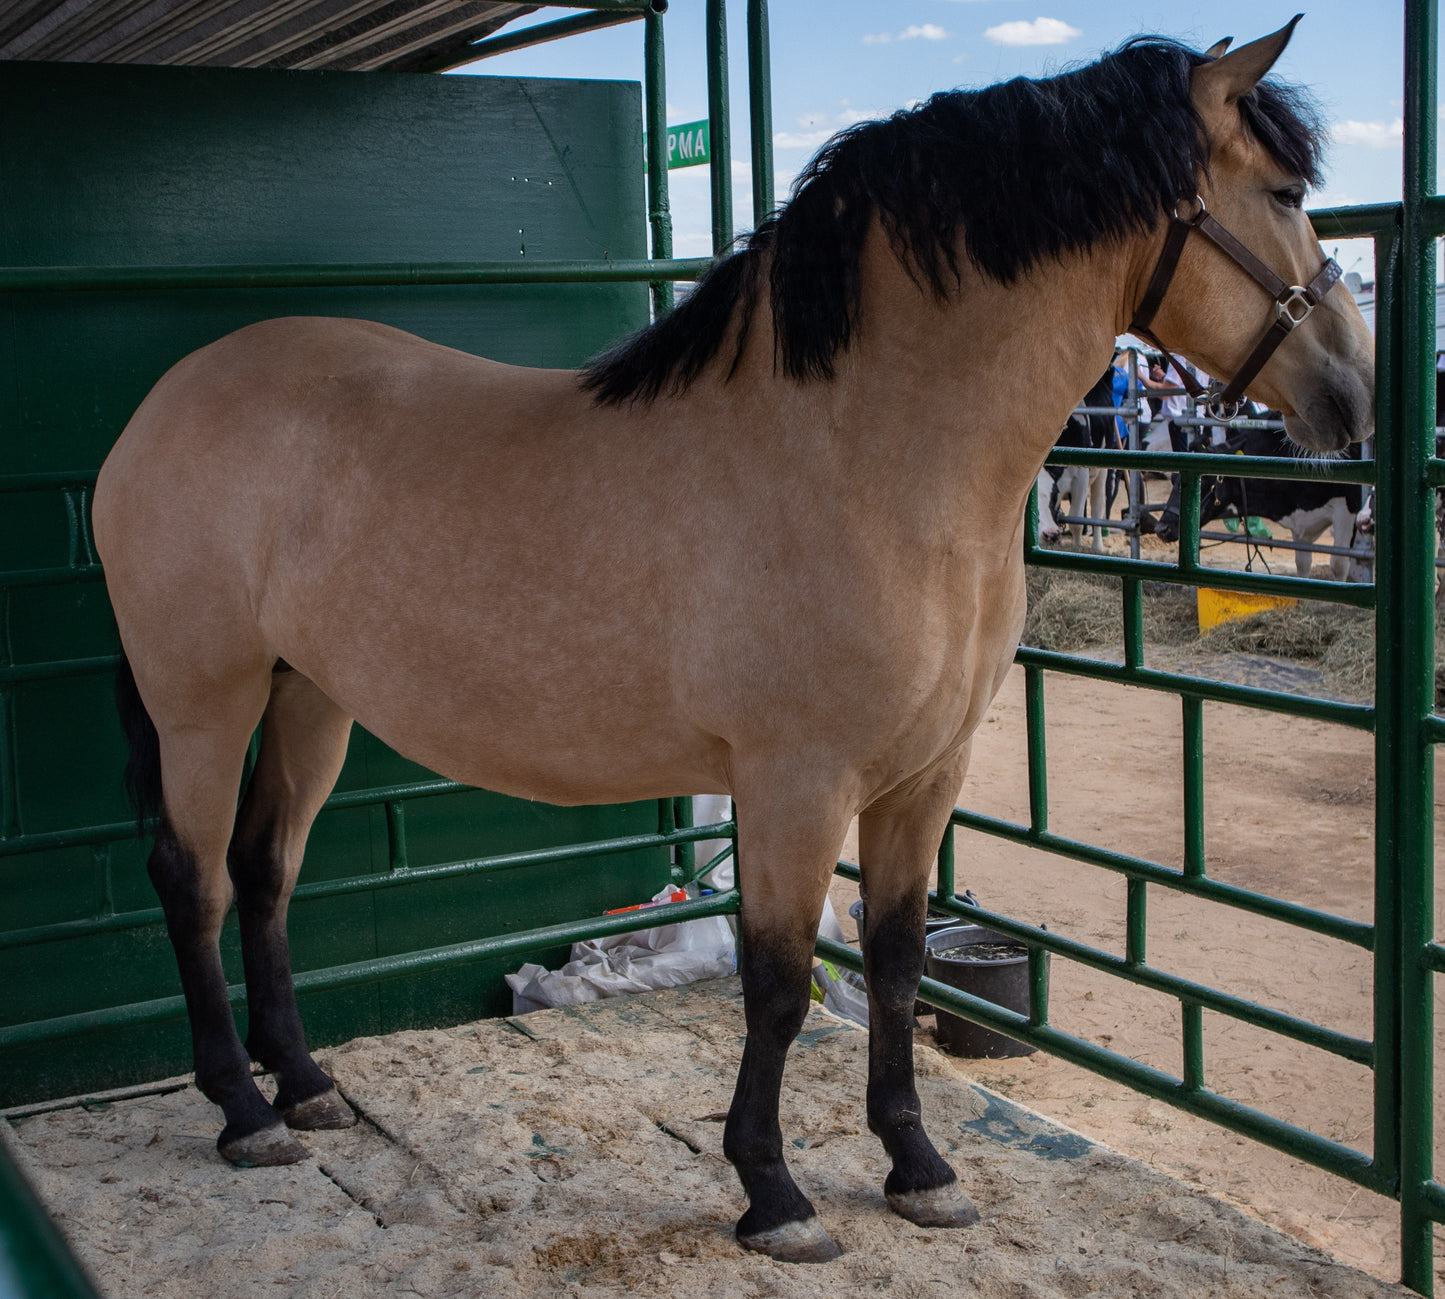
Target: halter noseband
<point x="1292" y="304"/>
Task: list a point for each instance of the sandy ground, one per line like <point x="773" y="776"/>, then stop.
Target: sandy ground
<point x="1289" y="811"/>
<point x="578" y="1152"/>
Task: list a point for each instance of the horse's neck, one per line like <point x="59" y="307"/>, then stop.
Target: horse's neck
<point x="957" y="403"/>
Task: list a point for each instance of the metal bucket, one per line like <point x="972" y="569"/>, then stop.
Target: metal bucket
<point x="1001" y="979"/>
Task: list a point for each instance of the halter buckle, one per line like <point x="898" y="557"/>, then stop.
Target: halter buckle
<point x="1195" y="216"/>
<point x="1223" y="410"/>
<point x="1294" y="308"/>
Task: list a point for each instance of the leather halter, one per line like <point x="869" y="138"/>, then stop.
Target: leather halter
<point x="1292" y="304"/>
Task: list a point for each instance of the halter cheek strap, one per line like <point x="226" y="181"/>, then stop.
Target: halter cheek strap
<point x="1292" y="304"/>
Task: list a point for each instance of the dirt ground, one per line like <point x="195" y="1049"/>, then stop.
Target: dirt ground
<point x="1289" y="811"/>
<point x="578" y="1152"/>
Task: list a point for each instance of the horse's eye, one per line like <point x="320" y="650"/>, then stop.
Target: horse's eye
<point x="1291" y="196"/>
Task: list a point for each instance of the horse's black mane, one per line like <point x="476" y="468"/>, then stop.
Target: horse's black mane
<point x="1030" y="169"/>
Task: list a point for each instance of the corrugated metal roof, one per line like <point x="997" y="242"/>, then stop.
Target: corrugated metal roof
<point x="351" y="35"/>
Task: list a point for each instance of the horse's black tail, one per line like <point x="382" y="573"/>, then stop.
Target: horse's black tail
<point x="143" y="762"/>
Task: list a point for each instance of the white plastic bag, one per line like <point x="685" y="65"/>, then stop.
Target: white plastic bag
<point x="667" y="956"/>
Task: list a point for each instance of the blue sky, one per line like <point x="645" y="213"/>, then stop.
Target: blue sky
<point x="837" y="61"/>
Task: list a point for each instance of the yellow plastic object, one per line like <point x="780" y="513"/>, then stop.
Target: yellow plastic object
<point x="1216" y="607"/>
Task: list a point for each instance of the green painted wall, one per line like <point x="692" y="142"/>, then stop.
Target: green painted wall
<point x="159" y="166"/>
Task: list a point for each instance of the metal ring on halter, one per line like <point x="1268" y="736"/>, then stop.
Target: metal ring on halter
<point x="1223" y="410"/>
<point x="1199" y="210"/>
<point x="1294" y="309"/>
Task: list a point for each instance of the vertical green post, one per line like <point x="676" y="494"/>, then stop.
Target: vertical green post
<point x="1031" y="524"/>
<point x="686" y="853"/>
<point x="396" y="836"/>
<point x="659" y="216"/>
<point x="1136" y="922"/>
<point x="947" y="887"/>
<point x="1188" y="521"/>
<point x="1133" y="621"/>
<point x="760" y="109"/>
<point x="1387" y="884"/>
<point x="1038" y="987"/>
<point x="719" y="126"/>
<point x="1038" y="756"/>
<point x="1405" y="637"/>
<point x="1193" y="787"/>
<point x="1193" y="1046"/>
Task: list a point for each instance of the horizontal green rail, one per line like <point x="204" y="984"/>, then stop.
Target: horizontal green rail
<point x="1361" y="221"/>
<point x="1221" y="466"/>
<point x="23" y="673"/>
<point x="340" y="275"/>
<point x="1357" y="595"/>
<point x="379" y="968"/>
<point x="117" y="831"/>
<point x="20" y="578"/>
<point x="1302" y="1144"/>
<point x="1359" y="716"/>
<point x="1356" y="932"/>
<point x="123" y="920"/>
<point x="51" y="481"/>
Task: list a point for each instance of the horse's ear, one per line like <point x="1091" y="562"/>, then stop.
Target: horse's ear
<point x="1237" y="73"/>
<point x="1218" y="48"/>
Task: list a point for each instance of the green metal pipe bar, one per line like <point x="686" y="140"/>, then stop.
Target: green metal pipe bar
<point x="1221" y="466"/>
<point x="1432" y="216"/>
<point x="1432" y="956"/>
<point x="654" y="108"/>
<point x="48" y="482"/>
<point x="539" y="34"/>
<point x="1133" y="623"/>
<point x="34" y="1258"/>
<point x="1189" y="523"/>
<point x="1192" y="1015"/>
<point x="1358" y="595"/>
<point x="1433" y="728"/>
<point x="22" y="673"/>
<point x="379" y="968"/>
<point x="117" y="831"/>
<point x="1432" y="1200"/>
<point x="1363" y="221"/>
<point x="1038" y="987"/>
<point x="1320" y="1151"/>
<point x="23" y="578"/>
<point x="1136" y="922"/>
<point x="1300" y="1030"/>
<point x="1405" y="639"/>
<point x="719" y="116"/>
<point x="946" y="878"/>
<point x="1387" y="883"/>
<point x="400" y="874"/>
<point x="760" y="109"/>
<point x="318" y="275"/>
<point x="1036" y="737"/>
<point x="1359" y="716"/>
<point x="1357" y="932"/>
<point x="1435" y="470"/>
<point x="1193" y="729"/>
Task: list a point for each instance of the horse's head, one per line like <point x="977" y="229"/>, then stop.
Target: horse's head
<point x="1262" y="152"/>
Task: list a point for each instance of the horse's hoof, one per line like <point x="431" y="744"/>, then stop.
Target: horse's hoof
<point x="323" y="1112"/>
<point x="794" y="1242"/>
<point x="263" y="1149"/>
<point x="940" y="1206"/>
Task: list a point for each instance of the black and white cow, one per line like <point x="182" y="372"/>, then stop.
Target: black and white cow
<point x="1306" y="509"/>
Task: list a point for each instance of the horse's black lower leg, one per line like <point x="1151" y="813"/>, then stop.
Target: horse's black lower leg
<point x="898" y="838"/>
<point x="305" y="1095"/>
<point x="921" y="1187"/>
<point x="780" y="1220"/>
<point x="195" y="903"/>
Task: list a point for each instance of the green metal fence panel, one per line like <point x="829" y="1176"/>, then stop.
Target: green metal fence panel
<point x="181" y="204"/>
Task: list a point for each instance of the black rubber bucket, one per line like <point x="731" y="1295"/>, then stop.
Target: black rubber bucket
<point x="936" y="922"/>
<point x="998" y="971"/>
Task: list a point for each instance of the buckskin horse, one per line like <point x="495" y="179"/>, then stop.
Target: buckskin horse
<point x="817" y="468"/>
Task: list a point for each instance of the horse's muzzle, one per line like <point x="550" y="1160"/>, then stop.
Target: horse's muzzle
<point x="1339" y="411"/>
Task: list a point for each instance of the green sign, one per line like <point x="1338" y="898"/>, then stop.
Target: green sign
<point x="687" y="145"/>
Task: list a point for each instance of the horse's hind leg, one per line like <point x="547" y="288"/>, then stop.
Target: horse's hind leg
<point x="898" y="838"/>
<point x="201" y="766"/>
<point x="786" y="855"/>
<point x="303" y="744"/>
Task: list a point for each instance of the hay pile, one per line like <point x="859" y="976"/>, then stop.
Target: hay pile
<point x="1071" y="612"/>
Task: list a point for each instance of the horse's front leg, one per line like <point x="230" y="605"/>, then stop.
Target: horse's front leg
<point x="898" y="839"/>
<point x="787" y="850"/>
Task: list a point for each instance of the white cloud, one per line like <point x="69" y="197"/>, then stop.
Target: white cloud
<point x="1042" y="31"/>
<point x="801" y="139"/>
<point x="913" y="32"/>
<point x="1375" y="135"/>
